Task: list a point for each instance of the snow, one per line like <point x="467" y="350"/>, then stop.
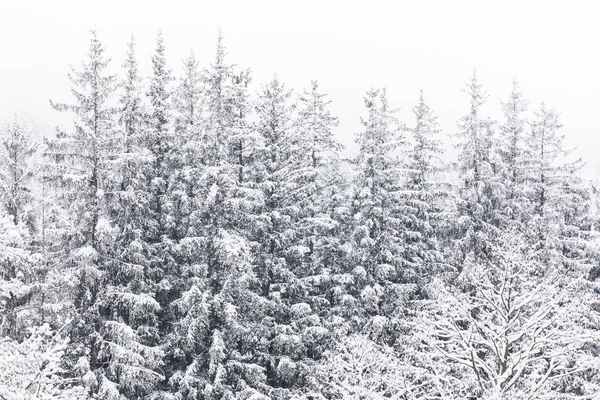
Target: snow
<point x="188" y="238"/>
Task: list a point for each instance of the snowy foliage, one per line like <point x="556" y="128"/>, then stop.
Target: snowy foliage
<point x="190" y="238"/>
<point x="518" y="329"/>
<point x="32" y="369"/>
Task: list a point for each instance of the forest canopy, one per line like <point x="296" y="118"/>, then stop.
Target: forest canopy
<point x="186" y="238"/>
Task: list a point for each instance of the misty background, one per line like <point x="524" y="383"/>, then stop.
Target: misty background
<point x="550" y="47"/>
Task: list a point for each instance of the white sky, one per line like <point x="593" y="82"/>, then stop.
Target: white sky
<point x="551" y="47"/>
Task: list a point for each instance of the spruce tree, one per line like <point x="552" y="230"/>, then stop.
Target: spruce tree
<point x="381" y="273"/>
<point x="22" y="268"/>
<point x="315" y="158"/>
<point x="321" y="211"/>
<point x="18" y="173"/>
<point x="514" y="156"/>
<point x="557" y="194"/>
<point x="188" y="130"/>
<point x="215" y="337"/>
<point x="481" y="190"/>
<point x="81" y="167"/>
<point x="424" y="197"/>
<point x="128" y="306"/>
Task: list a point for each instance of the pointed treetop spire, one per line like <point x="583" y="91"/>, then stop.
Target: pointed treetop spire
<point x="220" y="53"/>
<point x="130" y="63"/>
<point x="475" y="91"/>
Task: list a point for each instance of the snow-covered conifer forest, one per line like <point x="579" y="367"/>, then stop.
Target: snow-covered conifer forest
<point x="190" y="238"/>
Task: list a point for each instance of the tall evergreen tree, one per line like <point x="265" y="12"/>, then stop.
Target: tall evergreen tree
<point x="424" y="196"/>
<point x="514" y="155"/>
<point x="128" y="306"/>
<point x="556" y="193"/>
<point x="381" y="270"/>
<point x="22" y="270"/>
<point x="81" y="162"/>
<point x="187" y="98"/>
<point x="215" y="337"/>
<point x="160" y="140"/>
<point x="482" y="190"/>
<point x="18" y="172"/>
<point x="314" y="161"/>
<point x="188" y="130"/>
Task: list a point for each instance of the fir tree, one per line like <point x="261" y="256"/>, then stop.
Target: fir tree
<point x="18" y="173"/>
<point x="128" y="307"/>
<point x="481" y="191"/>
<point x="424" y="196"/>
<point x="381" y="272"/>
<point x="188" y="128"/>
<point x="215" y="336"/>
<point x="559" y="226"/>
<point x="514" y="156"/>
<point x="82" y="166"/>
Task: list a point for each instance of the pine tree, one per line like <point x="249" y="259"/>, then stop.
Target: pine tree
<point x="561" y="220"/>
<point x="188" y="128"/>
<point x="215" y="336"/>
<point x="383" y="280"/>
<point x="18" y="173"/>
<point x="82" y="165"/>
<point x="482" y="190"/>
<point x="424" y="197"/>
<point x="128" y="307"/>
<point x="514" y="156"/>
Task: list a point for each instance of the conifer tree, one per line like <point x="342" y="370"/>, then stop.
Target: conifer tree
<point x="188" y="96"/>
<point x="81" y="166"/>
<point x="18" y="173"/>
<point x="243" y="137"/>
<point x="188" y="129"/>
<point x="196" y="242"/>
<point x="381" y="271"/>
<point x="128" y="307"/>
<point x="481" y="191"/>
<point x="424" y="196"/>
<point x="514" y="155"/>
<point x="215" y="336"/>
<point x="22" y="268"/>
<point x="19" y="280"/>
<point x="160" y="140"/>
<point x="557" y="194"/>
<point x="320" y="210"/>
<point x="288" y="173"/>
<point x="314" y="172"/>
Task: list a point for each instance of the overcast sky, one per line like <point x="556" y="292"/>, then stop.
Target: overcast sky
<point x="551" y="47"/>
